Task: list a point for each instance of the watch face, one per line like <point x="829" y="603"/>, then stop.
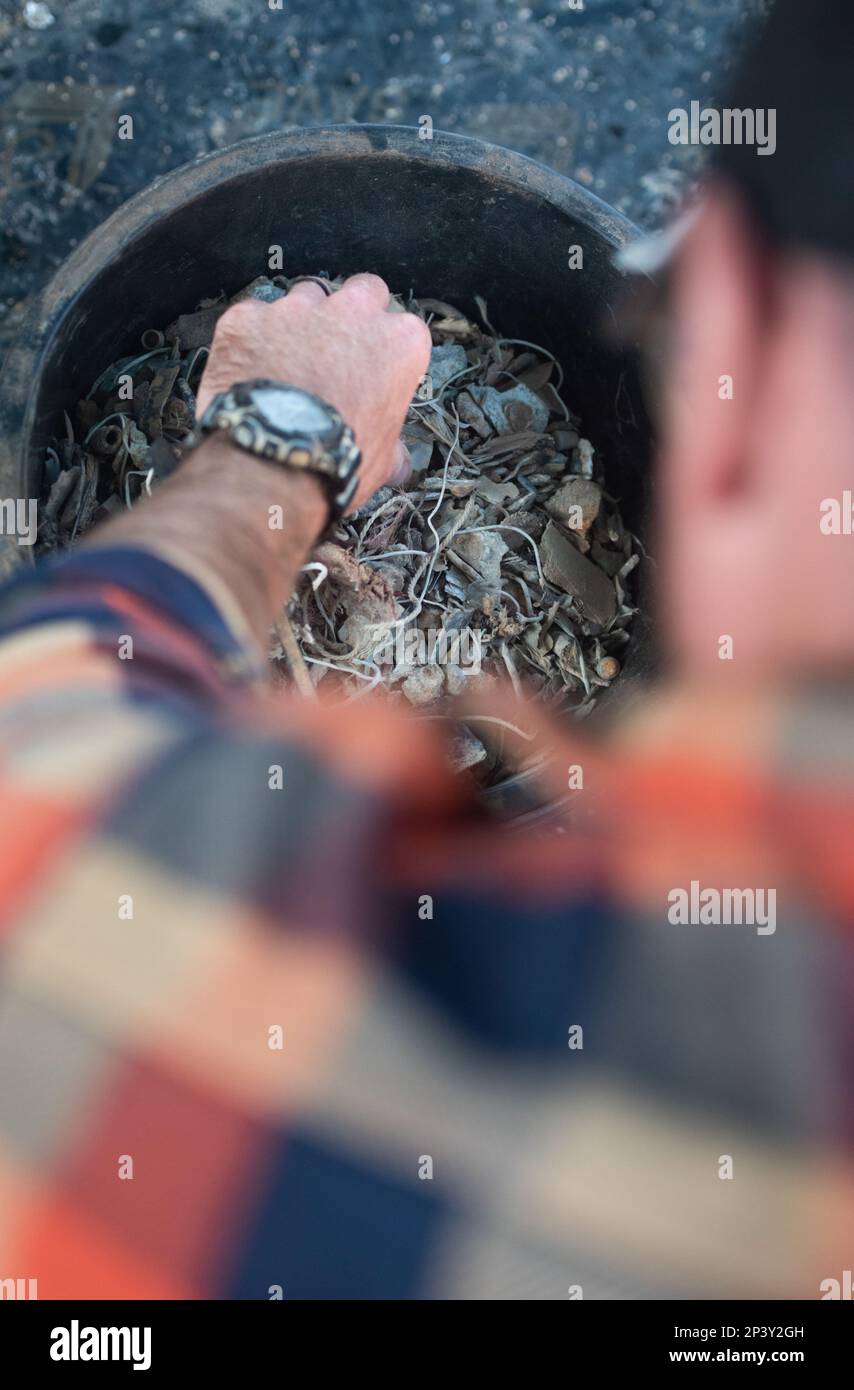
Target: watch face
<point x="291" y="410"/>
<point x="288" y="426"/>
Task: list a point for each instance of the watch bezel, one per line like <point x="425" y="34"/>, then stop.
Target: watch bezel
<point x="331" y="454"/>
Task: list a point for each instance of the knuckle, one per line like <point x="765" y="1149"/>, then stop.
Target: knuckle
<point x="303" y="295"/>
<point x="237" y="319"/>
<point x="366" y="280"/>
<point x="414" y="332"/>
<point x="357" y="301"/>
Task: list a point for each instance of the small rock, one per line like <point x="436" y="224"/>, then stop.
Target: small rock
<point x="471" y="414"/>
<point x="445" y="361"/>
<point x="532" y="523"/>
<point x="496" y="493"/>
<point x="497" y="406"/>
<point x="611" y="561"/>
<point x="370" y="613"/>
<point x="569" y="570"/>
<point x="261" y="288"/>
<point x="195" y="331"/>
<point x="582" y="459"/>
<point x="395" y="576"/>
<point x="576" y="504"/>
<point x="608" y="668"/>
<point x="218" y="130"/>
<point x="557" y="466"/>
<point x="419" y="441"/>
<point x="466" y="751"/>
<point x="37" y="15"/>
<point x="455" y="678"/>
<point x="518" y="415"/>
<point x="424" y="685"/>
<point x="483" y="550"/>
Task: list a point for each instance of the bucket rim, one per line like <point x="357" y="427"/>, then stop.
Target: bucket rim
<point x="173" y="189"/>
<point x="169" y="190"/>
<point x="24" y="359"/>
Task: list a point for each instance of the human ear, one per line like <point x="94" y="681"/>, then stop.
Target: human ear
<point x="718" y="306"/>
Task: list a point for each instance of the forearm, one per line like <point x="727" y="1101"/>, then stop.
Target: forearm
<point x="239" y="519"/>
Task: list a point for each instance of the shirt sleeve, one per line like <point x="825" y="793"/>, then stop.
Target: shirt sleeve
<point x="284" y="1014"/>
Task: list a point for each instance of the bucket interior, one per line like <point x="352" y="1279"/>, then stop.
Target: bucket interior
<point x="442" y="230"/>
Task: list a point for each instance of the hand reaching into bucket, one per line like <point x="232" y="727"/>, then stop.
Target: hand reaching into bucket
<point x="212" y="516"/>
<point x="343" y="347"/>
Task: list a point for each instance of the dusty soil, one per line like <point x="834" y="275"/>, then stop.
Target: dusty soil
<point x="585" y="91"/>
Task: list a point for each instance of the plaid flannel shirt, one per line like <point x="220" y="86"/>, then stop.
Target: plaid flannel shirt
<point x="283" y="1014"/>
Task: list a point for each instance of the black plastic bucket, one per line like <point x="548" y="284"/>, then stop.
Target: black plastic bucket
<point x="450" y="217"/>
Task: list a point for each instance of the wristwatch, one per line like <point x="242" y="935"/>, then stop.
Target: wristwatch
<point x="290" y="428"/>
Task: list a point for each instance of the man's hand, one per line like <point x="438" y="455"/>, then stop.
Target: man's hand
<point x="213" y="516"/>
<point x="343" y="347"/>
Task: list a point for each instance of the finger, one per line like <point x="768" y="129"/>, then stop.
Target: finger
<point x="401" y="470"/>
<point x="530" y="733"/>
<point x="412" y="333"/>
<point x="364" y="289"/>
<point x="305" y="292"/>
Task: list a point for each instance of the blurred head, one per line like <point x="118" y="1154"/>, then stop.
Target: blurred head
<point x="757" y="426"/>
<point x="758" y="431"/>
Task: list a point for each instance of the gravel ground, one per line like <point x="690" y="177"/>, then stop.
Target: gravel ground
<point x="586" y="91"/>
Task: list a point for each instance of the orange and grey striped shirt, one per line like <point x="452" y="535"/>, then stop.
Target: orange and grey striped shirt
<point x="283" y="1012"/>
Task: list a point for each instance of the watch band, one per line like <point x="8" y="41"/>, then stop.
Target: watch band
<point x="331" y="455"/>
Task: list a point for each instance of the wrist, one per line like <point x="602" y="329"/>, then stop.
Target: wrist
<point x="244" y="522"/>
<point x="290" y="505"/>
